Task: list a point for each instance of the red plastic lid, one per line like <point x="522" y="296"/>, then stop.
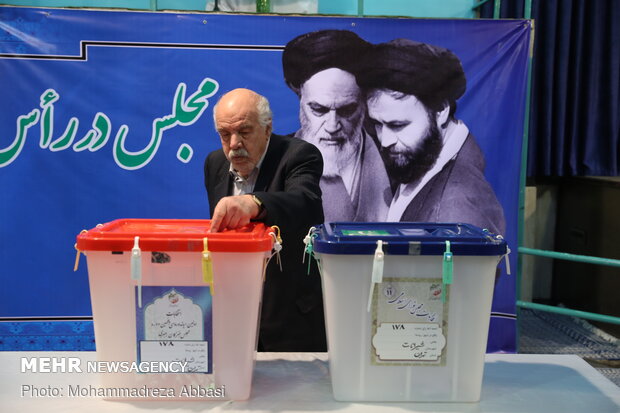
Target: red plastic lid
<point x="174" y="235"/>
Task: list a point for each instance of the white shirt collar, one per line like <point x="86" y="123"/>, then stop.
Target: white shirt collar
<point x="246" y="185"/>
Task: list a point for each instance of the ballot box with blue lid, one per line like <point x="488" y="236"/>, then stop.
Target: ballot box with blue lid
<point x="407" y="308"/>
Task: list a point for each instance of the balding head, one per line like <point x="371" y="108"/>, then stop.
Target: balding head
<point x="247" y="96"/>
<point x="242" y="118"/>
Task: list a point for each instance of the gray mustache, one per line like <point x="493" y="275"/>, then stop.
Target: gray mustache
<point x="234" y="153"/>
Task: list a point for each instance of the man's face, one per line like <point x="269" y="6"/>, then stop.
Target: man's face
<point x="331" y="112"/>
<point x="243" y="138"/>
<point x="409" y="135"/>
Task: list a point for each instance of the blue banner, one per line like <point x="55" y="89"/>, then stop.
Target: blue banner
<point x="108" y="114"/>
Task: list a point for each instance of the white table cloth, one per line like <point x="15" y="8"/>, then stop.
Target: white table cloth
<point x="300" y="382"/>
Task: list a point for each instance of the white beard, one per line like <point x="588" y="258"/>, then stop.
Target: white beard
<point x="335" y="157"/>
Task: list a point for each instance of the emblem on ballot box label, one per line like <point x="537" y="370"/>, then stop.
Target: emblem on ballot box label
<point x="175" y="324"/>
<point x="409" y="322"/>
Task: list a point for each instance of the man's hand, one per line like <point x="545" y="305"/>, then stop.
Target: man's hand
<point x="233" y="212"/>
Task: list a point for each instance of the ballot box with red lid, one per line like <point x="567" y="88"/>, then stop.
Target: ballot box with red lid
<point x="175" y="308"/>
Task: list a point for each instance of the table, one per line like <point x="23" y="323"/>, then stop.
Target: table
<point x="299" y="382"/>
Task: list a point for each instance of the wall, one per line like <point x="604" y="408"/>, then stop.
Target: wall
<point x="540" y="223"/>
<point x="588" y="224"/>
<point x="540" y="212"/>
<point x="415" y="8"/>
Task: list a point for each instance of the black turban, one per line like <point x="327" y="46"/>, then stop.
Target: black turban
<point x="313" y="52"/>
<point x="432" y="74"/>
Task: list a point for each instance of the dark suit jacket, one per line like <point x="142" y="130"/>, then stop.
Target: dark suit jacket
<point x="288" y="185"/>
<point x="459" y="193"/>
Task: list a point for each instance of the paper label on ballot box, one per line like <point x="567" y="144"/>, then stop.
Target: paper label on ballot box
<point x="175" y="325"/>
<point x="409" y="323"/>
<point x="194" y="353"/>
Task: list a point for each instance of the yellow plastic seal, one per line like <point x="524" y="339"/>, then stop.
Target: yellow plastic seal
<point x="207" y="266"/>
<point x="276" y="229"/>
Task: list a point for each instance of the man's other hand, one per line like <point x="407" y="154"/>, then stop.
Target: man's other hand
<point x="233" y="212"/>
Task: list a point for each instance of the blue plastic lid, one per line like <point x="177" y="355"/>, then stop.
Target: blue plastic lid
<point x="406" y="238"/>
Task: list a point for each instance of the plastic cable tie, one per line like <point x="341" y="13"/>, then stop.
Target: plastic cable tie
<point x="278" y="233"/>
<point x="447" y="270"/>
<point x="136" y="260"/>
<point x="277" y="247"/>
<point x="77" y="258"/>
<point x="377" y="263"/>
<point x="264" y="271"/>
<point x="309" y="249"/>
<point x="270" y="257"/>
<point x="279" y="261"/>
<point x="136" y="267"/>
<point x="311" y="252"/>
<point x="278" y="242"/>
<point x="77" y="254"/>
<point x="207" y="266"/>
<point x="307" y="241"/>
<point x="308" y="245"/>
<point x="506" y="255"/>
<point x="377" y="270"/>
<point x="372" y="291"/>
<point x="507" y="258"/>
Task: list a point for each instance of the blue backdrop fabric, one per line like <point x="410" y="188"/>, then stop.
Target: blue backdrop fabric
<point x="107" y="114"/>
<point x="47" y="336"/>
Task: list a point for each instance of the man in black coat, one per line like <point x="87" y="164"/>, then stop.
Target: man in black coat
<point x="262" y="176"/>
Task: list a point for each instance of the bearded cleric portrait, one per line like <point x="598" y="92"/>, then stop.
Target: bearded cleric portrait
<point x="434" y="162"/>
<point x="320" y="67"/>
<point x="384" y="118"/>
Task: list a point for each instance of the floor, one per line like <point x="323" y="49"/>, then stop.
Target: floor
<point x="547" y="333"/>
